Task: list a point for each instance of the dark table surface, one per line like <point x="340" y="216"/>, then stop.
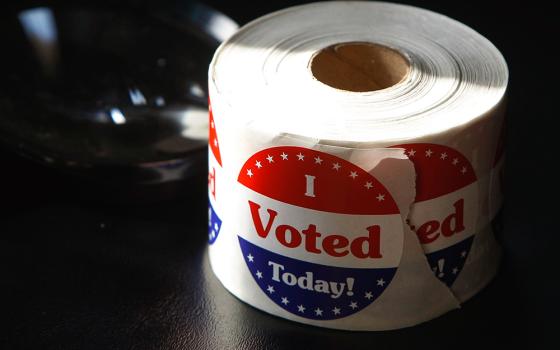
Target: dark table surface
<point x="77" y="273"/>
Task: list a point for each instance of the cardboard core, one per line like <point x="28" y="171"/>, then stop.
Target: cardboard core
<point x="359" y="66"/>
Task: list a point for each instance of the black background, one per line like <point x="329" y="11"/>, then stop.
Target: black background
<point x="79" y="274"/>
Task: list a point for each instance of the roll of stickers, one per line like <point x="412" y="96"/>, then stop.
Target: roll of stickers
<point x="354" y="164"/>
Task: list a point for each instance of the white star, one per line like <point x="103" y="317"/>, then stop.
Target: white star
<point x="216" y="142"/>
<point x="285" y="301"/>
<point x="318" y="160"/>
<point x="270" y="158"/>
<point x="270" y="289"/>
<point x="300" y="156"/>
<point x="250" y="258"/>
<point x="368" y="295"/>
<point x="381" y="282"/>
<point x="336" y="166"/>
<point x="455" y="270"/>
<point x="463" y="254"/>
<point x="353" y="174"/>
<point x="443" y="156"/>
<point x="300" y="308"/>
<point x="411" y="153"/>
<point x="429" y="153"/>
<point x="380" y="197"/>
<point x="318" y="312"/>
<point x="212" y="125"/>
<point x="259" y="274"/>
<point x="336" y="311"/>
<point x="368" y="185"/>
<point x="284" y="156"/>
<point x="213" y="234"/>
<point x="455" y="161"/>
<point x="216" y="227"/>
<point x="258" y="164"/>
<point x="463" y="170"/>
<point x="353" y="305"/>
<point x="249" y="173"/>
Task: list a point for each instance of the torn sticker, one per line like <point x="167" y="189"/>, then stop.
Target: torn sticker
<point x="445" y="210"/>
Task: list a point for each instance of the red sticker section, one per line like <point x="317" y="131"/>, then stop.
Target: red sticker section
<point x="440" y="169"/>
<point x="445" y="209"/>
<point x="213" y="136"/>
<point x="316" y="180"/>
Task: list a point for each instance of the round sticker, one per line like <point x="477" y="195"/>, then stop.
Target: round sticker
<point x="445" y="208"/>
<point x="321" y="237"/>
<point x="214" y="170"/>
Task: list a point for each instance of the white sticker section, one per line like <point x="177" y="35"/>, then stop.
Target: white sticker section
<point x="342" y="240"/>
<point x="310" y="185"/>
<point x="444" y="221"/>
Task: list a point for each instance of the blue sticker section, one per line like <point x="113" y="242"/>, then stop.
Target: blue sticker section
<point x="314" y="291"/>
<point x="214" y="224"/>
<point x="448" y="262"/>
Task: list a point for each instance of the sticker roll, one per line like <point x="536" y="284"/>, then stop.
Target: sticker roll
<point x="354" y="164"/>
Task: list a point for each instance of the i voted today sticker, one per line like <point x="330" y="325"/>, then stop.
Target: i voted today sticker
<point x="214" y="171"/>
<point x="444" y="213"/>
<point x="321" y="237"/>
